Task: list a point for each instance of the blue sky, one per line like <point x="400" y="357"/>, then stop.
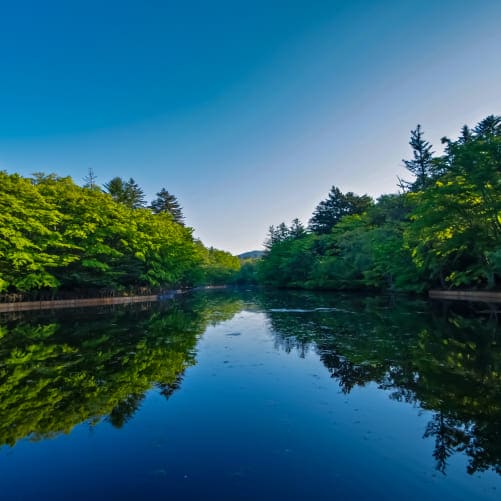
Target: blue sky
<point x="247" y="111"/>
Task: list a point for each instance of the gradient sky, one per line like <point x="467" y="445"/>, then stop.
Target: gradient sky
<point x="247" y="111"/>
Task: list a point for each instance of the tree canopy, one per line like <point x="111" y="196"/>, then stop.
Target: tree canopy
<point x="126" y="192"/>
<point x="58" y="236"/>
<point x="337" y="205"/>
<point x="168" y="204"/>
<point x="443" y="230"/>
<point x="422" y="164"/>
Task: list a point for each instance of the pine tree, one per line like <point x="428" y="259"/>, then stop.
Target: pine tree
<point x="422" y="165"/>
<point x="134" y="194"/>
<point x="337" y="205"/>
<point x="489" y="126"/>
<point x="277" y="234"/>
<point x="128" y="193"/>
<point x="466" y="134"/>
<point x="90" y="180"/>
<point x="297" y="230"/>
<point x="167" y="203"/>
<point x="116" y="188"/>
<point x="283" y="232"/>
<point x="271" y="238"/>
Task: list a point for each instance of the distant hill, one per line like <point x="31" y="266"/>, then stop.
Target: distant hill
<point x="251" y="254"/>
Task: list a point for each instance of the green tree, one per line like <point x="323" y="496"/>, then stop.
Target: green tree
<point x="421" y="165"/>
<point x="288" y="262"/>
<point x="456" y="228"/>
<point x="337" y="205"/>
<point x="126" y="192"/>
<point x="31" y="242"/>
<point x="248" y="273"/>
<point x="220" y="267"/>
<point x="489" y="127"/>
<point x="167" y="203"/>
<point x="90" y="180"/>
<point x="297" y="230"/>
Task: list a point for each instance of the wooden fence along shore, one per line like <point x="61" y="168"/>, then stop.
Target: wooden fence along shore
<point x="97" y="301"/>
<point x="73" y="303"/>
<point x="477" y="296"/>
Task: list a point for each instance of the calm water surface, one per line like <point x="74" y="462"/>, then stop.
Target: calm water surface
<point x="252" y="395"/>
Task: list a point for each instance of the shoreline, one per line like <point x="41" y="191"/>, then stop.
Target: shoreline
<point x="74" y="303"/>
<point x="465" y="295"/>
<point x="97" y="301"/>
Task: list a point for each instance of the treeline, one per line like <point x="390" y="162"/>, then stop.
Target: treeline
<point x="56" y="237"/>
<point x="443" y="229"/>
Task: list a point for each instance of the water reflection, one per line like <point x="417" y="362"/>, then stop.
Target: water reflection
<point x="445" y="358"/>
<point x="58" y="370"/>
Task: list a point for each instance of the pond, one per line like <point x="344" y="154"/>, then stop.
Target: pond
<point x="252" y="394"/>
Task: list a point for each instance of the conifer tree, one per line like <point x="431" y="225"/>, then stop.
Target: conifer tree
<point x="90" y="179"/>
<point x="421" y="165"/>
<point x="489" y="126"/>
<point x="134" y="194"/>
<point x="167" y="203"/>
<point x="297" y="230"/>
<point x="337" y="205"/>
<point x="127" y="192"/>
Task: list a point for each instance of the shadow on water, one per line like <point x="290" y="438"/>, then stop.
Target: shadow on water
<point x="60" y="369"/>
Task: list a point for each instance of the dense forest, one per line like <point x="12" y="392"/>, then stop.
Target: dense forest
<point x="443" y="228"/>
<point x="57" y="237"/>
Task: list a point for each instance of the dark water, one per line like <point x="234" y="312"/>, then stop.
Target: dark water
<point x="252" y="395"/>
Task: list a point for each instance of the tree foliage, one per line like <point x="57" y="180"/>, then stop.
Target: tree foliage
<point x="456" y="229"/>
<point x="444" y="230"/>
<point x="168" y="204"/>
<point x="422" y="163"/>
<point x="336" y="206"/>
<point x="126" y="192"/>
<point x="56" y="235"/>
<point x="219" y="267"/>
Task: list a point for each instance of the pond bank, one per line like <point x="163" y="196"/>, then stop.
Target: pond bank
<point x="479" y="296"/>
<point x="98" y="301"/>
<point x="74" y="303"/>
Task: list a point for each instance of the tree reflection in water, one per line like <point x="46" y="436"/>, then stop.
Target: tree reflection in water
<point x="57" y="371"/>
<point x="441" y="357"/>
